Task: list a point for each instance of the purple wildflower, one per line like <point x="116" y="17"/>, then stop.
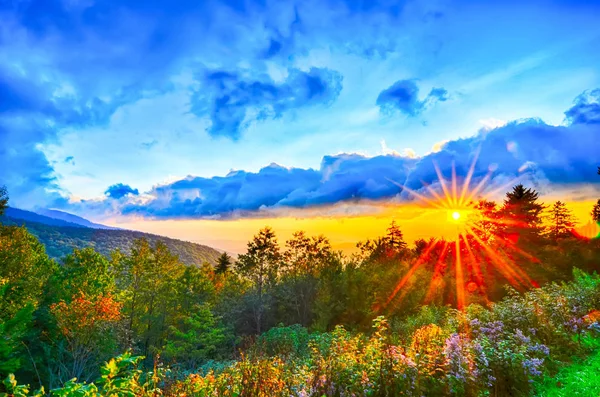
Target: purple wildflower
<point x="532" y="366"/>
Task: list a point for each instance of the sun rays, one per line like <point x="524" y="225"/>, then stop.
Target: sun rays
<point x="474" y="243"/>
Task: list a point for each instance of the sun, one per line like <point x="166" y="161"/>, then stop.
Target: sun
<point x="456" y="215"/>
<point x="463" y="207"/>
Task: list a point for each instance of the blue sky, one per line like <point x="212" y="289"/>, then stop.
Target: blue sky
<point x="204" y="108"/>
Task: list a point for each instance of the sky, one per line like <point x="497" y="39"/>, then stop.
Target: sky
<point x="206" y="120"/>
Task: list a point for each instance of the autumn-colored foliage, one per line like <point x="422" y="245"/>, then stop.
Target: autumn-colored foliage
<point x="84" y="314"/>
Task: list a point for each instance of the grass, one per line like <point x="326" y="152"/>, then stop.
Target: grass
<point x="580" y="379"/>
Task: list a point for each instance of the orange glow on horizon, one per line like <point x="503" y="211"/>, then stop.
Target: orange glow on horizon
<point x="343" y="231"/>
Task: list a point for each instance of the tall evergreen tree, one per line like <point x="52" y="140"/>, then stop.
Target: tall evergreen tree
<point x="224" y="263"/>
<point x="395" y="238"/>
<point x="522" y="214"/>
<point x="596" y="211"/>
<point x="596" y="208"/>
<point x="3" y="199"/>
<point x="561" y="221"/>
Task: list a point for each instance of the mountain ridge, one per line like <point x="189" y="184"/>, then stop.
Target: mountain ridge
<point x="61" y="237"/>
<point x="68" y="217"/>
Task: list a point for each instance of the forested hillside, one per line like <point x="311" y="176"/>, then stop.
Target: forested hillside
<point x="61" y="240"/>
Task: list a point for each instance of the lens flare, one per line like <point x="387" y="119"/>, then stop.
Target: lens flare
<point x="470" y="209"/>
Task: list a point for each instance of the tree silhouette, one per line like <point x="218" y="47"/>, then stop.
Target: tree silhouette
<point x="223" y="263"/>
<point x="395" y="238"/>
<point x="596" y="211"/>
<point x="562" y="221"/>
<point x="522" y="213"/>
<point x="3" y="199"/>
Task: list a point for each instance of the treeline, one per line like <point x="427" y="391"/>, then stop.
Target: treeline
<point x="60" y="241"/>
<point x="62" y="320"/>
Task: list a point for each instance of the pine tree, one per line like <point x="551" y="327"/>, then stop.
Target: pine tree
<point x="562" y="221"/>
<point x="596" y="209"/>
<point x="395" y="238"/>
<point x="522" y="214"/>
<point x="223" y="263"/>
<point x="596" y="212"/>
<point x="3" y="199"/>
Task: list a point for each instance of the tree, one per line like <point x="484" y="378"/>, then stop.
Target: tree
<point x="24" y="269"/>
<point x="522" y="214"/>
<point x="395" y="238"/>
<point x="86" y="323"/>
<point x="383" y="249"/>
<point x="420" y="247"/>
<point x="487" y="222"/>
<point x="260" y="264"/>
<point x="303" y="260"/>
<point x="3" y="199"/>
<point x="197" y="339"/>
<point x="562" y="221"/>
<point x="596" y="211"/>
<point x="224" y="262"/>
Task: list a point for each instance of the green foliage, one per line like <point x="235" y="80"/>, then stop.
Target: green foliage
<point x="197" y="339"/>
<point x="24" y="268"/>
<point x="224" y="263"/>
<point x="60" y="241"/>
<point x="291" y="341"/>
<point x="581" y="378"/>
<point x="261" y="264"/>
<point x="302" y="319"/>
<point x="120" y="376"/>
<point x="13" y="389"/>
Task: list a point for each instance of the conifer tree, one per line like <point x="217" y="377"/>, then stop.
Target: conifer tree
<point x="3" y="199"/>
<point x="561" y="221"/>
<point x="224" y="263"/>
<point x="596" y="211"/>
<point x="522" y="213"/>
<point x="395" y="238"/>
<point x="596" y="208"/>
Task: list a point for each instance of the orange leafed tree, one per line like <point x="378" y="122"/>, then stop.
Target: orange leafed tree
<point x="84" y="322"/>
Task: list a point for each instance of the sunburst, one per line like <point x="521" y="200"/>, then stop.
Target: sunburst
<point x="460" y="201"/>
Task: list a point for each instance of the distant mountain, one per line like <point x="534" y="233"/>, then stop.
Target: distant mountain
<point x="29" y="216"/>
<point x="61" y="237"/>
<point x="65" y="216"/>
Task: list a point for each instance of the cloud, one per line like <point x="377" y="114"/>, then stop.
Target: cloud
<point x="69" y="160"/>
<point x="586" y="108"/>
<point x="341" y="177"/>
<point x="120" y="190"/>
<point x="70" y="65"/>
<point x="229" y="97"/>
<point x="403" y="96"/>
<point x="530" y="151"/>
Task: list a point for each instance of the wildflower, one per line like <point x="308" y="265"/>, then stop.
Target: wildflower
<point x="522" y="338"/>
<point x="539" y="348"/>
<point x="532" y="366"/>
